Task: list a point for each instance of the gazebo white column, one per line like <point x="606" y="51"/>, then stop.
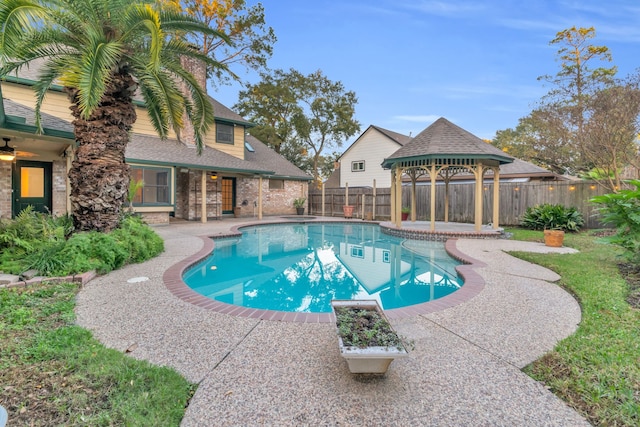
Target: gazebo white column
<point x="479" y="173"/>
<point x="413" y="198"/>
<point x="392" y="196"/>
<point x="496" y="197"/>
<point x="398" y="197"/>
<point x="433" y="174"/>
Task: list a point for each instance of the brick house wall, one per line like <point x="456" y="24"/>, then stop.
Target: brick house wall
<point x="274" y="201"/>
<point x="59" y="188"/>
<point x="5" y="190"/>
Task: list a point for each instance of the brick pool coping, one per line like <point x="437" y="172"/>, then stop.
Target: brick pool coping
<point x="473" y="285"/>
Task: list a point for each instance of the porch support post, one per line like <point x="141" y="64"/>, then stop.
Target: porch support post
<point x="322" y="186"/>
<point x="203" y="196"/>
<point x="392" y="196"/>
<point x="479" y="174"/>
<point x="432" y="208"/>
<point x="259" y="197"/>
<point x="70" y="156"/>
<point x="496" y="197"/>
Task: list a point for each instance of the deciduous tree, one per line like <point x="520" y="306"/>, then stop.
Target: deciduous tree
<point x="308" y="113"/>
<point x="252" y="40"/>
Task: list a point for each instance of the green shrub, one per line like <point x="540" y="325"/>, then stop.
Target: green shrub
<point x="622" y="210"/>
<point x="140" y="241"/>
<point x="38" y="241"/>
<point x="552" y="217"/>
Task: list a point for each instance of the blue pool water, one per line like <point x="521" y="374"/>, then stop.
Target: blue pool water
<point x="302" y="267"/>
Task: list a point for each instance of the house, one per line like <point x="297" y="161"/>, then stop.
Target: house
<point x="361" y="163"/>
<point x="235" y="174"/>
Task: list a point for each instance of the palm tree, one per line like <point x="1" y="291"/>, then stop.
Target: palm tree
<point x="102" y="52"/>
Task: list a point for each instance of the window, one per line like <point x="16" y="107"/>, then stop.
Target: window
<point x="357" y="252"/>
<point x="224" y="133"/>
<point x="155" y="189"/>
<point x="357" y="166"/>
<point x="249" y="147"/>
<point x="276" y="184"/>
<point x="386" y="256"/>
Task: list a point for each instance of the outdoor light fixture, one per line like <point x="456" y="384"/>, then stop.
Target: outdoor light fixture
<point x="7" y="153"/>
<point x="214" y="175"/>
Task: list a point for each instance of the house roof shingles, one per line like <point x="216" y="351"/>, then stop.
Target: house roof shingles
<point x="443" y="138"/>
<point x="397" y="137"/>
<point x="152" y="149"/>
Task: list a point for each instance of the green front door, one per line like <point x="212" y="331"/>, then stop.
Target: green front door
<point x="32" y="186"/>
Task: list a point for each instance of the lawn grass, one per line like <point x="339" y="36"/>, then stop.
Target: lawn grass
<point x="53" y="372"/>
<point x="597" y="369"/>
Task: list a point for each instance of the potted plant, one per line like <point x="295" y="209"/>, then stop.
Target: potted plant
<point x="553" y="238"/>
<point x="365" y="337"/>
<point x="405" y="211"/>
<point x="554" y="220"/>
<point x="299" y="205"/>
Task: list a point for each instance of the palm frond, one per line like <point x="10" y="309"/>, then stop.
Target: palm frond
<point x="154" y="110"/>
<point x="46" y="77"/>
<point x="91" y="79"/>
<point x="161" y="93"/>
<point x="144" y="17"/>
<point x="16" y="16"/>
<point x="199" y="109"/>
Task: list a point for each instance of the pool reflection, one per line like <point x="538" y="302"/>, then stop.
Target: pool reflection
<point x="304" y="266"/>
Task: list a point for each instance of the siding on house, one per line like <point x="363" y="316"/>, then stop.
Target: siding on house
<point x="236" y="149"/>
<point x="372" y="147"/>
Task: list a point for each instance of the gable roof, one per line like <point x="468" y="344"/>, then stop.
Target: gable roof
<point x="444" y="139"/>
<point x="396" y="137"/>
<point x="266" y="157"/>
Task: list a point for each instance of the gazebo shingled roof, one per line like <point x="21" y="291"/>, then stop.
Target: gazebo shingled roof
<point x="444" y="139"/>
<point x="444" y="149"/>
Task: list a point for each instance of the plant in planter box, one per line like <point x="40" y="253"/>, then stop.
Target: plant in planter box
<point x="365" y="337"/>
<point x="299" y="204"/>
<point x="405" y="211"/>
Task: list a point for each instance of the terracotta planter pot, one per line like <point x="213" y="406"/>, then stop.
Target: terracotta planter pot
<point x="348" y="211"/>
<point x="553" y="238"/>
<point x="404" y="216"/>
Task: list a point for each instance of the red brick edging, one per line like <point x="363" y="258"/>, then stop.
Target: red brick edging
<point x="473" y="284"/>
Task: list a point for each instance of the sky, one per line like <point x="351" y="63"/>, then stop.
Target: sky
<point x="476" y="63"/>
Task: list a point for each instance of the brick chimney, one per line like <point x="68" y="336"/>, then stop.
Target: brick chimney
<point x="199" y="70"/>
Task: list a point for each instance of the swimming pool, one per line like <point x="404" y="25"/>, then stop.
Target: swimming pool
<point x="302" y="267"/>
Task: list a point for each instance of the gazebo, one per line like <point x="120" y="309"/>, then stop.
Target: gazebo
<point x="444" y="149"/>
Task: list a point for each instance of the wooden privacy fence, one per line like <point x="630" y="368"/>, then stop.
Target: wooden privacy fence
<point x="515" y="198"/>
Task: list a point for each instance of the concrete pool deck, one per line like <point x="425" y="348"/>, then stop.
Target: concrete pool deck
<point x="465" y="368"/>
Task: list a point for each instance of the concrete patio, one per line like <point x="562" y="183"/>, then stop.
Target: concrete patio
<point x="465" y="368"/>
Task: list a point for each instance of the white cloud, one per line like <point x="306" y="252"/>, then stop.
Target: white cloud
<point x="419" y="119"/>
<point x="445" y="8"/>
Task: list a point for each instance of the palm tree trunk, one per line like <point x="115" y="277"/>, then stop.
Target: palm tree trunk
<point x="99" y="176"/>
